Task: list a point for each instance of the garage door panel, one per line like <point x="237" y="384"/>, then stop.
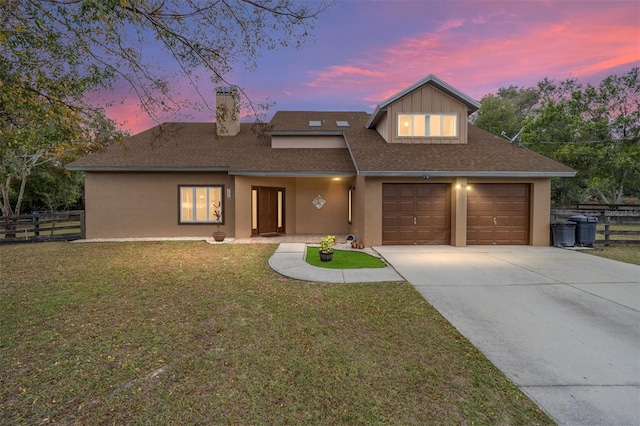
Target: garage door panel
<point x="486" y="206"/>
<point x="389" y="207"/>
<point x="405" y="235"/>
<point x="483" y="221"/>
<point x="404" y="221"/>
<point x="389" y="221"/>
<point x="390" y="236"/>
<point x="390" y="191"/>
<point x="406" y="206"/>
<point x="424" y="206"/>
<point x="520" y="206"/>
<point x="406" y="191"/>
<point x="442" y="222"/>
<point x="521" y="221"/>
<point x="521" y="191"/>
<point x="502" y="206"/>
<point x="440" y="206"/>
<point x="498" y="214"/>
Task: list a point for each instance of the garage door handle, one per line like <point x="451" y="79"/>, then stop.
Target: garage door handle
<point x="495" y="222"/>
<point x="414" y="221"/>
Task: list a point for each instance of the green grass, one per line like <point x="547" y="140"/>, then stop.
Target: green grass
<point x="623" y="253"/>
<point x="191" y="333"/>
<point x="344" y="259"/>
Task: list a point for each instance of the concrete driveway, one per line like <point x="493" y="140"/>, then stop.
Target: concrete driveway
<point x="563" y="326"/>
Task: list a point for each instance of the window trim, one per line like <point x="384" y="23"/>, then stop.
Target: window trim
<point x="201" y="222"/>
<point x="427" y="124"/>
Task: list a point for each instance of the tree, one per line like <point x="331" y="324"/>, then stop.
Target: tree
<point x="55" y="53"/>
<point x="52" y="188"/>
<point x="594" y="129"/>
<point x="506" y="110"/>
<point x="43" y="120"/>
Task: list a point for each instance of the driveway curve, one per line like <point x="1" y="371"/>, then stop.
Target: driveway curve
<point x="564" y="326"/>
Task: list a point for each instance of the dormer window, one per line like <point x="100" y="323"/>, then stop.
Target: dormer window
<point x="427" y="125"/>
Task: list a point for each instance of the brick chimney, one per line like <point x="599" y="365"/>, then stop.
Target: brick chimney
<point x="227" y="111"/>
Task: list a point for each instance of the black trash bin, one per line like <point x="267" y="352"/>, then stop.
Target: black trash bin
<point x="585" y="229"/>
<point x="564" y="233"/>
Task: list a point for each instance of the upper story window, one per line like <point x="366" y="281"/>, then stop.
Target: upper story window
<point x="427" y="125"/>
<point x="201" y="204"/>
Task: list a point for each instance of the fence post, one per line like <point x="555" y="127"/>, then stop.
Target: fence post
<point x="36" y="225"/>
<point x="82" y="224"/>
<point x="607" y="223"/>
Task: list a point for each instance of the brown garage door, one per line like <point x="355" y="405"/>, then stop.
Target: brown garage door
<point x="498" y="214"/>
<point x="416" y="214"/>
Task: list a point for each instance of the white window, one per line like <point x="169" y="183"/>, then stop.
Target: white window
<point x="201" y="204"/>
<point x="427" y="125"/>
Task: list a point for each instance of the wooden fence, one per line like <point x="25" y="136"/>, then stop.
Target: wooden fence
<point x="622" y="222"/>
<point x="54" y="226"/>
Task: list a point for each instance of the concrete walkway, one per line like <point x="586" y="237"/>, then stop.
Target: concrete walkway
<point x="288" y="260"/>
<point x="563" y="326"/>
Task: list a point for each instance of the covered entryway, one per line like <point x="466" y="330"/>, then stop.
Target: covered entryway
<point x="416" y="214"/>
<point x="267" y="210"/>
<point x="498" y="214"/>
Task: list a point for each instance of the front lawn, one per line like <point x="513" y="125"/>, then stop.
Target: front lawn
<point x="190" y="333"/>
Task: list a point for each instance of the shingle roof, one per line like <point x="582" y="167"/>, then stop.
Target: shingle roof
<point x="193" y="146"/>
<point x="483" y="154"/>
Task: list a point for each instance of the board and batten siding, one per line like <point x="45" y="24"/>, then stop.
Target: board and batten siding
<point x="426" y="99"/>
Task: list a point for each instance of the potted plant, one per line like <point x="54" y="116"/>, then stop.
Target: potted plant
<point x="326" y="248"/>
<point x="217" y="212"/>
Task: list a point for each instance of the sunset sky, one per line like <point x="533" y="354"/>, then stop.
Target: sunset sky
<point x="365" y="51"/>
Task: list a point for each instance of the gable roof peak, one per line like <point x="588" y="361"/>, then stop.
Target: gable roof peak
<point x="381" y="108"/>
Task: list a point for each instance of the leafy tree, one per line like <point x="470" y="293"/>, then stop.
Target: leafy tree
<point x="594" y="129"/>
<point x="506" y="110"/>
<point x="43" y="120"/>
<point x="52" y="188"/>
<point x="57" y="54"/>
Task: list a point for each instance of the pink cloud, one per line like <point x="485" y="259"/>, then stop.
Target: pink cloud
<point x="342" y="72"/>
<point x="451" y="24"/>
<point x="578" y="44"/>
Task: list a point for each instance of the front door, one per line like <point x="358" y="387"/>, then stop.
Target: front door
<point x="268" y="210"/>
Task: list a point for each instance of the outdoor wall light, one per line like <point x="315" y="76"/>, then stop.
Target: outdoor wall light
<point x="466" y="187"/>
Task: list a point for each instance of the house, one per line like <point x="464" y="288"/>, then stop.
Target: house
<point x="413" y="172"/>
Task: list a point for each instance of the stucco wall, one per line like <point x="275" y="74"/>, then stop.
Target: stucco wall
<point x="539" y="216"/>
<point x="301" y="216"/>
<point x="332" y="217"/>
<point x="146" y="204"/>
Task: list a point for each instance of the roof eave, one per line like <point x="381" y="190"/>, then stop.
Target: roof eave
<point x="465" y="173"/>
<point x="306" y="133"/>
<point x="298" y="173"/>
<point x="147" y="169"/>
